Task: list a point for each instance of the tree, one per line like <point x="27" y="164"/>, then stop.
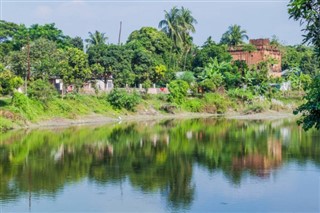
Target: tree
<point x="115" y="60"/>
<point x="178" y="24"/>
<point x="152" y="40"/>
<point x="8" y="81"/>
<point x="76" y="42"/>
<point x="170" y="25"/>
<point x="96" y="38"/>
<point x="151" y="55"/>
<point x="211" y="50"/>
<point x="212" y="77"/>
<point x="74" y="67"/>
<point x="44" y="59"/>
<point x="308" y="12"/>
<point x="8" y="32"/>
<point x="301" y="57"/>
<point x="311" y="109"/>
<point x="36" y="31"/>
<point x="234" y="36"/>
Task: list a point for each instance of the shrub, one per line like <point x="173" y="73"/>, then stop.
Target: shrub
<point x="162" y="97"/>
<point x="193" y="105"/>
<point x="8" y="82"/>
<point x="187" y="77"/>
<point x="20" y="101"/>
<point x="241" y="94"/>
<point x="41" y="90"/>
<point x="121" y="99"/>
<point x="208" y="85"/>
<point x="255" y="108"/>
<point x="215" y="102"/>
<point x="178" y="91"/>
<point x="30" y="109"/>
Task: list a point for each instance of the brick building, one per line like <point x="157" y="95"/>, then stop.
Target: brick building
<point x="263" y="52"/>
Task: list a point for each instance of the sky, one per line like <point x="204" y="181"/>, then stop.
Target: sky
<point x="260" y="18"/>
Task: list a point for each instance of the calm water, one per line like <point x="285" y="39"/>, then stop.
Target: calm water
<point x="197" y="165"/>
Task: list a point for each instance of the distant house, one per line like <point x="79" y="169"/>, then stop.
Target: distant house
<point x="89" y="87"/>
<point x="58" y="84"/>
<point x="92" y="86"/>
<point x="263" y="52"/>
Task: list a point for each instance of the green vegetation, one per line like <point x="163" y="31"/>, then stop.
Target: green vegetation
<point x="200" y="79"/>
<point x="308" y="14"/>
<point x="178" y="91"/>
<point x="234" y="36"/>
<point x="122" y="99"/>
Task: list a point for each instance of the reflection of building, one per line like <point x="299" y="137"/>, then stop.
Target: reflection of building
<point x="264" y="51"/>
<point x="261" y="164"/>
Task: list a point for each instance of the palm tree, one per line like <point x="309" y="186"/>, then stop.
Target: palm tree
<point x="187" y="22"/>
<point x="169" y="24"/>
<point x="178" y="24"/>
<point x="234" y="36"/>
<point x="96" y="38"/>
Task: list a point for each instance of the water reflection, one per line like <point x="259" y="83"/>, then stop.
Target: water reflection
<point x="152" y="156"/>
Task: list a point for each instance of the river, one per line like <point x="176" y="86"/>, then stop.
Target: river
<point x="180" y="165"/>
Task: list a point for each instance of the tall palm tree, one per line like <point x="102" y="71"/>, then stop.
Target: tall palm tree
<point x="178" y="24"/>
<point x="170" y="24"/>
<point x="187" y="21"/>
<point x="234" y="36"/>
<point x="96" y="38"/>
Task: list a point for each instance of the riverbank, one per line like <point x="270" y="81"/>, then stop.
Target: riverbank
<point x="91" y="110"/>
<point x="96" y="119"/>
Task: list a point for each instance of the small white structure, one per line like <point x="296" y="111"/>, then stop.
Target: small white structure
<point x="285" y="86"/>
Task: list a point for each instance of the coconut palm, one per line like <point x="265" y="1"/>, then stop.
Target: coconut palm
<point x="170" y="24"/>
<point x="234" y="36"/>
<point x="187" y="21"/>
<point x="178" y="24"/>
<point x="96" y="38"/>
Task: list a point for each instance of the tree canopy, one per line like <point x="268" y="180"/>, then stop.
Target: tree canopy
<point x="234" y="36"/>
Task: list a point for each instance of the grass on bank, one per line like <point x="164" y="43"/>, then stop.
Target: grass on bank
<point x="20" y="109"/>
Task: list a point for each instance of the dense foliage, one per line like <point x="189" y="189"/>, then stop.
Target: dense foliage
<point x="122" y="99"/>
<point x="164" y="57"/>
<point x="308" y="12"/>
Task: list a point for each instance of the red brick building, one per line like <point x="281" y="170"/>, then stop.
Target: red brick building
<point x="263" y="52"/>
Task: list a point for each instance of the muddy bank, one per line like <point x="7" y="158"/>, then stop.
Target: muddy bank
<point x="96" y="119"/>
<point x="268" y="115"/>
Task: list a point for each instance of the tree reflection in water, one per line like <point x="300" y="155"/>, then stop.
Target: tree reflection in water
<point x="152" y="156"/>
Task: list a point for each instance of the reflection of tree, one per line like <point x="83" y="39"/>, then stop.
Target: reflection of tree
<point x="153" y="157"/>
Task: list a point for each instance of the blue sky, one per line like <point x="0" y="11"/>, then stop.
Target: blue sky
<point x="261" y="18"/>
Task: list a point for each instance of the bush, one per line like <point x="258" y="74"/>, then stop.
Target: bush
<point x="241" y="94"/>
<point x="193" y="105"/>
<point x="178" y="91"/>
<point x="41" y="90"/>
<point x="20" y="101"/>
<point x="5" y="124"/>
<point x="255" y="108"/>
<point x="30" y="109"/>
<point x="121" y="99"/>
<point x="187" y="77"/>
<point x="215" y="103"/>
<point x="208" y="85"/>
